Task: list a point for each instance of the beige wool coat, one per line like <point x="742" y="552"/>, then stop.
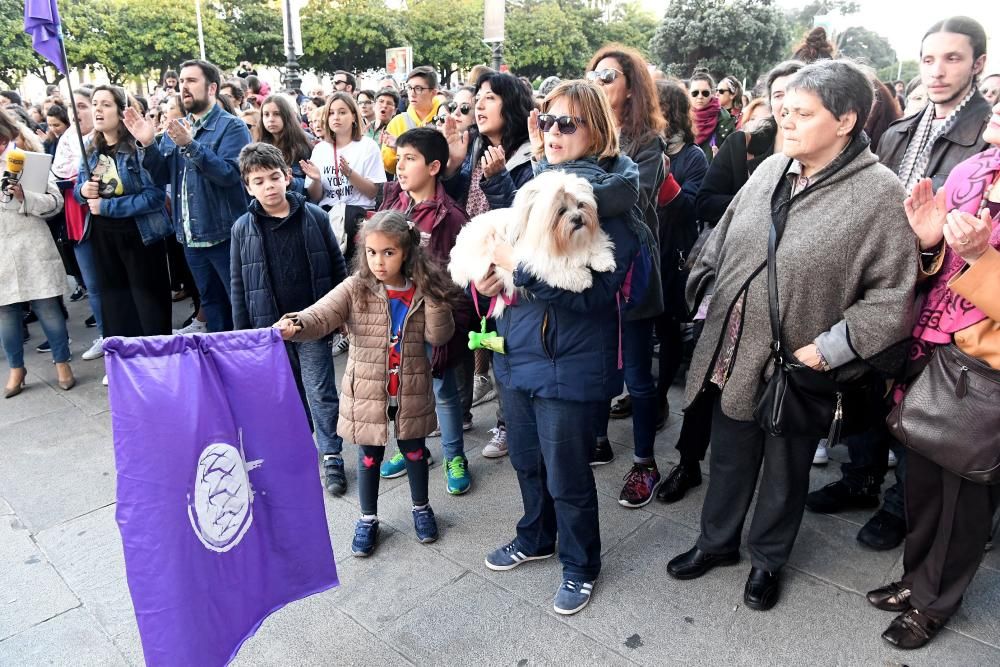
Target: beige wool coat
<point x="30" y="267"/>
<point x="363" y="306"/>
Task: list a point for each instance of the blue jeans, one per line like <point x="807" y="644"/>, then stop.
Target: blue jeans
<point x="550" y="442"/>
<point x="84" y="252"/>
<point x="637" y="356"/>
<point x="312" y="363"/>
<point x="210" y="268"/>
<point x="448" y="405"/>
<point x="53" y="324"/>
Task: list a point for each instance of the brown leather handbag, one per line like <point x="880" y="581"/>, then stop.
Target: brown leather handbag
<point x="951" y="415"/>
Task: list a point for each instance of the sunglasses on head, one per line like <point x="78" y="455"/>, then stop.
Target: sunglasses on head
<point x="464" y="108"/>
<point x="703" y="93"/>
<point x="567" y="124"/>
<point x="603" y="76"/>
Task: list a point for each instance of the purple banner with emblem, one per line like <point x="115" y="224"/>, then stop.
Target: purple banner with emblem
<point x="220" y="503"/>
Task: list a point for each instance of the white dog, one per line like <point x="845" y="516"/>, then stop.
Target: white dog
<point x="554" y="230"/>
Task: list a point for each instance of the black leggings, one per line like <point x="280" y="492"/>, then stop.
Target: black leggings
<point x="369" y="460"/>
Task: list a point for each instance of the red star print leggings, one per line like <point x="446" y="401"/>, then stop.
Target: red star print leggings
<point x="369" y="460"/>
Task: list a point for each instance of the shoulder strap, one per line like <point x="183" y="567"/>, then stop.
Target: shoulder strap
<point x="779" y="216"/>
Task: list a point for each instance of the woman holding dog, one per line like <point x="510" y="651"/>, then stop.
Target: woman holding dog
<point x="560" y="365"/>
<point x="624" y="77"/>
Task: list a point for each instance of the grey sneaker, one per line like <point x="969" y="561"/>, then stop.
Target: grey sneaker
<point x="483" y="390"/>
<point x="96" y="350"/>
<point x="340" y="346"/>
<point x="572" y="596"/>
<point x="509" y="556"/>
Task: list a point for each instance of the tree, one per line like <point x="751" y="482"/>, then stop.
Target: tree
<point x="253" y="26"/>
<point x="348" y="34"/>
<point x="729" y="38"/>
<point x="801" y="20"/>
<point x="910" y="69"/>
<point x="18" y="56"/>
<point x="544" y="39"/>
<point x="866" y="46"/>
<point x="446" y="34"/>
<point x="632" y="26"/>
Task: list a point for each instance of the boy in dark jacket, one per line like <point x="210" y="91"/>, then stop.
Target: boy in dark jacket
<point x="421" y="155"/>
<point x="284" y="258"/>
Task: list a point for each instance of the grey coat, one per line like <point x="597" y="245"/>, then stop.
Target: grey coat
<point x="847" y="254"/>
<point x="30" y="267"/>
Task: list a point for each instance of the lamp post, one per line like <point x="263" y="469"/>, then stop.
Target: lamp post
<point x="493" y="30"/>
<point x="201" y="32"/>
<point x="291" y="77"/>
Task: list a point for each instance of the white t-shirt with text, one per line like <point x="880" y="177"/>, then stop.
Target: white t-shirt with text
<point x="363" y="156"/>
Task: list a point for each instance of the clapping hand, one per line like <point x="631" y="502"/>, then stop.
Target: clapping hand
<point x="179" y="130"/>
<point x="968" y="235"/>
<point x="140" y="126"/>
<point x="493" y="161"/>
<point x="310" y="169"/>
<point x="458" y="142"/>
<point x="345" y="167"/>
<point x="535" y="134"/>
<point x="927" y="213"/>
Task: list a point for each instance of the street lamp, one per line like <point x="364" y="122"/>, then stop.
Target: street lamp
<point x="493" y="32"/>
<point x="293" y="45"/>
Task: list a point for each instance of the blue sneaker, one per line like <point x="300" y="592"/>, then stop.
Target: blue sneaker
<point x="572" y="596"/>
<point x="456" y="474"/>
<point x="508" y="557"/>
<point x="425" y="524"/>
<point x="365" y="538"/>
<point x="396" y="466"/>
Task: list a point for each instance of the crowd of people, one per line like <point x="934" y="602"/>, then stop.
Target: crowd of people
<point x="822" y="231"/>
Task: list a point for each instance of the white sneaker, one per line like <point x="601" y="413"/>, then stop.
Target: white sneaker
<point x="96" y="350"/>
<point x="104" y="381"/>
<point x="340" y="346"/>
<point x="483" y="390"/>
<point x="892" y="459"/>
<point x="822" y="456"/>
<point x="196" y="327"/>
<point x="497" y="446"/>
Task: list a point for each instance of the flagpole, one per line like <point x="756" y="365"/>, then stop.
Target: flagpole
<point x="72" y="105"/>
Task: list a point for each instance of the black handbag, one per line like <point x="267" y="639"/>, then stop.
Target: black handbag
<point x="950" y="415"/>
<point x="797" y="401"/>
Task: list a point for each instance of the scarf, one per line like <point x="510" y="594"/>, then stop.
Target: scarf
<point x="675" y="143"/>
<point x="705" y="120"/>
<point x="944" y="312"/>
<point x="918" y="152"/>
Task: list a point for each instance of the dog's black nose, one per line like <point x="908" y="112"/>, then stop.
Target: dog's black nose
<point x="577" y="222"/>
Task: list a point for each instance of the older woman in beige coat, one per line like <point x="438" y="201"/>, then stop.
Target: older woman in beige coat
<point x="30" y="270"/>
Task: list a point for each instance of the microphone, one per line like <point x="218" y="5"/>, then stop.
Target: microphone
<point x="12" y="174"/>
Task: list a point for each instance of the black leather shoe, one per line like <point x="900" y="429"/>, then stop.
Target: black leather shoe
<point x="761" y="591"/>
<point x="694" y="563"/>
<point x="894" y="597"/>
<point x="911" y="630"/>
<point x="681" y="478"/>
<point x="838" y="497"/>
<point x="621" y="408"/>
<point x="883" y="531"/>
<point x="603" y="453"/>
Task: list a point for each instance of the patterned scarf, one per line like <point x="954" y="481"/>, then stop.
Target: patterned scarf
<point x="476" y="203"/>
<point x="705" y="120"/>
<point x="918" y="153"/>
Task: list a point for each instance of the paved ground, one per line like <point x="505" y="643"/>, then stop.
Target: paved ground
<point x="64" y="601"/>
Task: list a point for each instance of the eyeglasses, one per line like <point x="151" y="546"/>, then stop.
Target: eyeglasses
<point x="603" y="76"/>
<point x="365" y="103"/>
<point x="703" y="93"/>
<point x="723" y="91"/>
<point x="465" y="108"/>
<point x="417" y="90"/>
<point x="341" y="82"/>
<point x="567" y="124"/>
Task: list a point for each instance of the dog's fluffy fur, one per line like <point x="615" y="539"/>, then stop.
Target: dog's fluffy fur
<point x="554" y="230"/>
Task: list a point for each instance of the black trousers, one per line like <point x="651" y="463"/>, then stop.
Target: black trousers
<point x="696" y="429"/>
<point x="948" y="521"/>
<point x="180" y="273"/>
<point x="135" y="285"/>
<point x="742" y="451"/>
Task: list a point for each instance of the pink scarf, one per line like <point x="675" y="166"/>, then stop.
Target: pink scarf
<point x="705" y="120"/>
<point x="944" y="312"/>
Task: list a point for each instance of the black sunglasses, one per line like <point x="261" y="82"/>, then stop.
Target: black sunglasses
<point x="724" y="91"/>
<point x="441" y="120"/>
<point x="342" y="82"/>
<point x="604" y="76"/>
<point x="703" y="93"/>
<point x="465" y="108"/>
<point x="567" y="124"/>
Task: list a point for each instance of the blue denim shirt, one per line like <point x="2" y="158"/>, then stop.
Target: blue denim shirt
<point x="143" y="199"/>
<point x="216" y="196"/>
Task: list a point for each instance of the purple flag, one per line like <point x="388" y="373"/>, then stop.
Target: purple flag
<point x="41" y="21"/>
<point x="220" y="504"/>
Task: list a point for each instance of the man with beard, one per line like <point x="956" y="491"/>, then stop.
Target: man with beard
<point x="199" y="158"/>
<point x="927" y="144"/>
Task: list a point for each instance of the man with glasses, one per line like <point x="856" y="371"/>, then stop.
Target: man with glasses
<point x="421" y="87"/>
<point x="344" y="82"/>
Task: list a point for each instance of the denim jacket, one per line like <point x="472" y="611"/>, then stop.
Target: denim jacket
<point x="215" y="191"/>
<point x="143" y="200"/>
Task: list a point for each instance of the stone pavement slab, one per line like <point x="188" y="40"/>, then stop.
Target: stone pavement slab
<point x="73" y="638"/>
